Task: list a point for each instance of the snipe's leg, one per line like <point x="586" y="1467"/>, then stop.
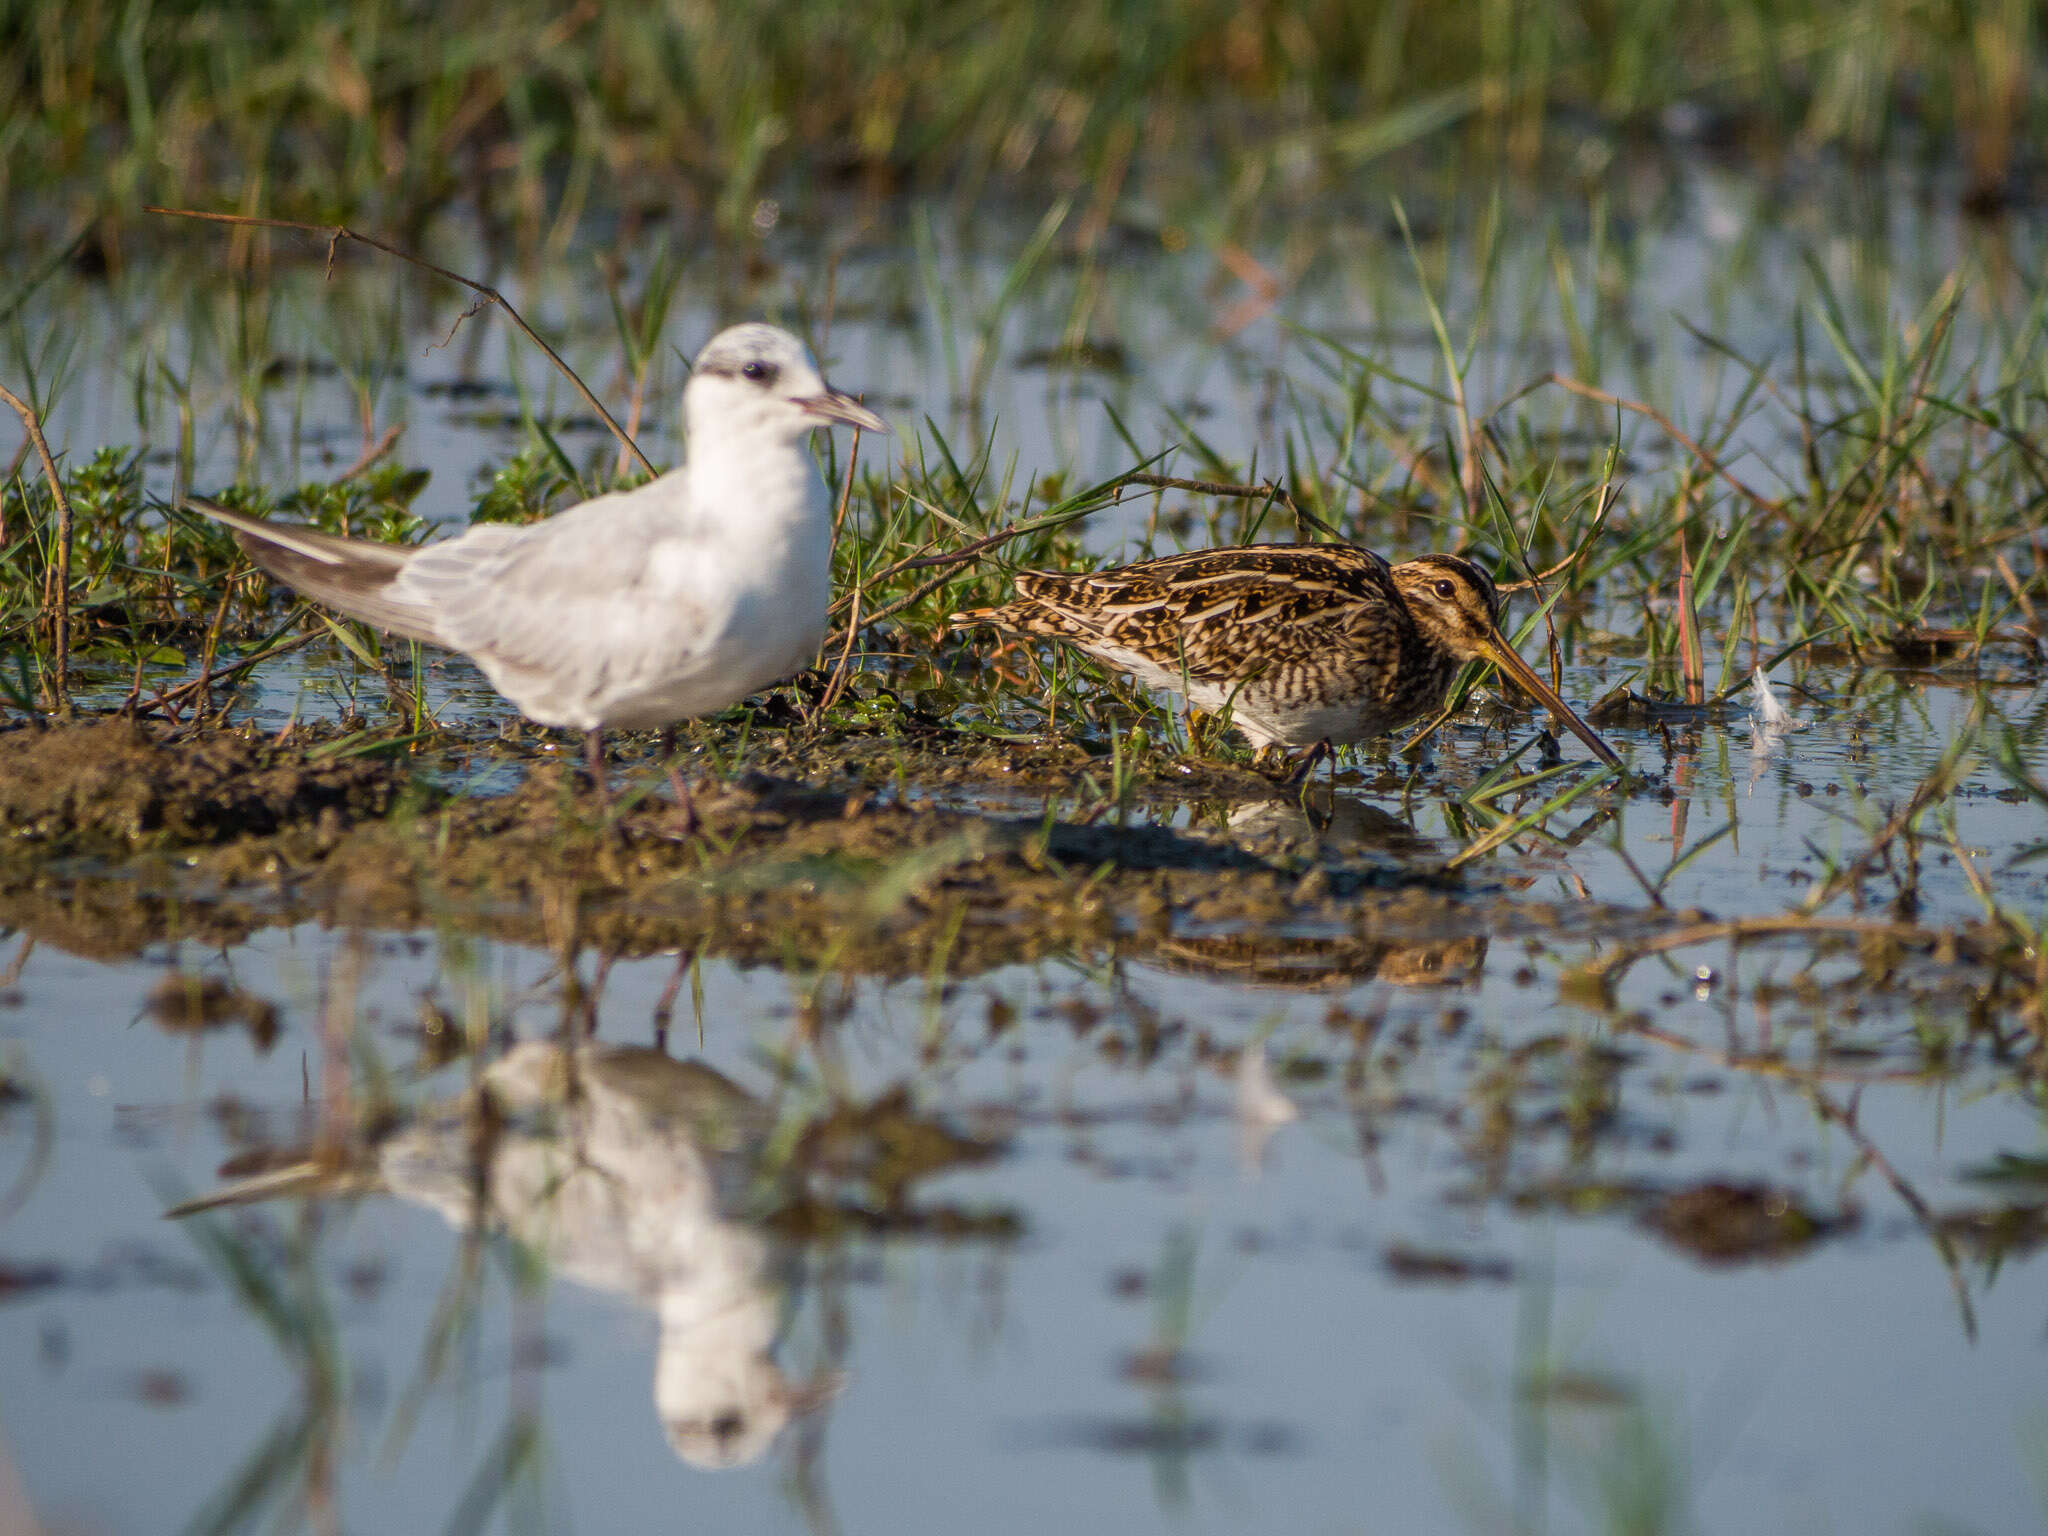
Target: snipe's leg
<point x="1304" y="762"/>
<point x="676" y="781"/>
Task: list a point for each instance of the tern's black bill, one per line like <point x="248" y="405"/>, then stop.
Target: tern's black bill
<point x="834" y="405"/>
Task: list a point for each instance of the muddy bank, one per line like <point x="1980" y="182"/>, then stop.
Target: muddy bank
<point x="776" y="872"/>
<point x="120" y="837"/>
<point x="117" y="785"/>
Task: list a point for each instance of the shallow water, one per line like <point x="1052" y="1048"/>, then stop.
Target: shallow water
<point x="1369" y="1288"/>
<point x="1480" y="1248"/>
<point x="1837" y="1387"/>
<point x="1186" y="334"/>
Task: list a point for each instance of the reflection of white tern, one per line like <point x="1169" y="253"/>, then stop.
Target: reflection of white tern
<point x="1261" y="1107"/>
<point x="605" y="1167"/>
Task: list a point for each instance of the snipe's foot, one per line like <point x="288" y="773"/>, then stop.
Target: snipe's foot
<point x="1292" y="768"/>
<point x="1307" y="760"/>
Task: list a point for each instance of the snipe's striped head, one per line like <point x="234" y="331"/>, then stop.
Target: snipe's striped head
<point x="1456" y="607"/>
<point x="1454" y="603"/>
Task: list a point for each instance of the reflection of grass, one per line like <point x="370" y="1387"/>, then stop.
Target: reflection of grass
<point x="1172" y="1429"/>
<point x="1626" y="1458"/>
<point x="289" y="1480"/>
<point x="293" y="1467"/>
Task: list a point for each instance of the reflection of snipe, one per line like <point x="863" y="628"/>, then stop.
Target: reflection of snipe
<point x="1306" y="643"/>
<point x="1340" y="821"/>
<point x="1312" y="964"/>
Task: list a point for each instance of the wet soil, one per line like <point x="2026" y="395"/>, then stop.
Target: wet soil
<point x="115" y="835"/>
<point x="120" y="835"/>
<point x="119" y="785"/>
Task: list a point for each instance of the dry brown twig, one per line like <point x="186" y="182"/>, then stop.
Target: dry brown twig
<point x="172" y="701"/>
<point x="373" y="452"/>
<point x="1536" y="579"/>
<point x="1263" y="491"/>
<point x="946" y="559"/>
<point x="1605" y="968"/>
<point x="1033" y="524"/>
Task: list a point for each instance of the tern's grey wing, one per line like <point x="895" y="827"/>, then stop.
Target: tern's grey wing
<point x="556" y="613"/>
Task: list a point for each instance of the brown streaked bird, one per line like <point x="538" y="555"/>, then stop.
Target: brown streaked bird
<point x="1307" y="643"/>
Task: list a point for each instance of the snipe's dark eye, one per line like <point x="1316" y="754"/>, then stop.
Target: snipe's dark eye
<point x="1444" y="589"/>
<point x="759" y="372"/>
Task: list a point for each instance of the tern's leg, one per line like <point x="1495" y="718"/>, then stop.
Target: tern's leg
<point x="593" y="752"/>
<point x="664" y="1007"/>
<point x="675" y="779"/>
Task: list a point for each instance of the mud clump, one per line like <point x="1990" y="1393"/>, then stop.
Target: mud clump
<point x="120" y="785"/>
<point x="1725" y="1223"/>
<point x="183" y="1004"/>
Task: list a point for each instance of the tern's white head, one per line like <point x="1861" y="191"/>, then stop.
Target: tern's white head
<point x="760" y="377"/>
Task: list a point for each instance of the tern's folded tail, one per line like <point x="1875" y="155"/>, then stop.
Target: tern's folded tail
<point x="356" y="576"/>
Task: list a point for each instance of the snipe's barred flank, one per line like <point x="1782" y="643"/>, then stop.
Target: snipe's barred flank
<point x="1306" y="643"/>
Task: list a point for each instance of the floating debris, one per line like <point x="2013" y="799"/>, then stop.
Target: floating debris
<point x="1435" y="1266"/>
<point x="1769" y="723"/>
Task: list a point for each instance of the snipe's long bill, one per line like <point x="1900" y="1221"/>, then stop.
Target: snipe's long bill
<point x="1305" y="643"/>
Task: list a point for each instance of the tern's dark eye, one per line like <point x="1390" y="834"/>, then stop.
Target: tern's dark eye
<point x="1444" y="589"/>
<point x="761" y="373"/>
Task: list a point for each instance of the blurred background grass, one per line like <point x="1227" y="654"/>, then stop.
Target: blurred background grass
<point x="386" y="111"/>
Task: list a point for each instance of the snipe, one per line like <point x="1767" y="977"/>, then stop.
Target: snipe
<point x="1307" y="643"/>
